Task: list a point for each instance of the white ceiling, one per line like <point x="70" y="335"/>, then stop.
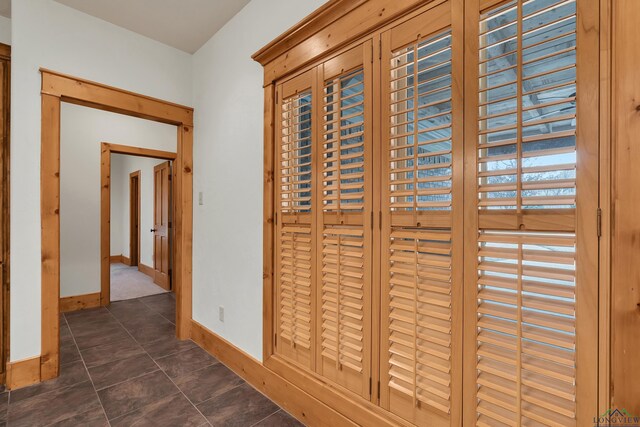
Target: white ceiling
<point x="183" y="24"/>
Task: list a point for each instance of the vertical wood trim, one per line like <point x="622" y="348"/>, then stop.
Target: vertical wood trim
<point x="50" y="211"/>
<point x="134" y="237"/>
<point x="268" y="225"/>
<point x="469" y="385"/>
<point x="316" y="212"/>
<point x="105" y="224"/>
<point x="457" y="208"/>
<point x="5" y="191"/>
<point x="376" y="211"/>
<point x="604" y="371"/>
<point x="184" y="231"/>
<point x="587" y="145"/>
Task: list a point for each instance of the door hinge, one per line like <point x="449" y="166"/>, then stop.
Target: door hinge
<point x="275" y="218"/>
<point x="380" y="220"/>
<point x="599" y="219"/>
<point x="169" y="224"/>
<point x="275" y="343"/>
<point x="379" y="48"/>
<point x="276" y="97"/>
<point x="372" y="53"/>
<point x="378" y="390"/>
<point x="372" y="220"/>
<point x="370" y="385"/>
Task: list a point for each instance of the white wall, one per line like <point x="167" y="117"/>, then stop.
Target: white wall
<point x="5" y="30"/>
<point x="121" y="167"/>
<point x="227" y="238"/>
<point x="82" y="130"/>
<point x="48" y="34"/>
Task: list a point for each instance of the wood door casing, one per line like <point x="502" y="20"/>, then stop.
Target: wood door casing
<point x="134" y="218"/>
<point x="162" y="224"/>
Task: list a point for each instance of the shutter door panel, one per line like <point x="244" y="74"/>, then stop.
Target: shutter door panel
<point x="295" y="252"/>
<point x="345" y="244"/>
<point x="421" y="238"/>
<point x="528" y="316"/>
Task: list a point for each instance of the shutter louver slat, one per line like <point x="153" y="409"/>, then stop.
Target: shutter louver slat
<point x="525" y="336"/>
<point x="527" y="101"/>
<point x="295" y="289"/>
<point x="420" y="317"/>
<point x="295" y="154"/>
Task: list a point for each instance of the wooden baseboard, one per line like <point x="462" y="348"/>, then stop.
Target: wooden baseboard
<point x="145" y="269"/>
<point x="120" y="259"/>
<point x="297" y="402"/>
<point x="22" y="373"/>
<point x="79" y="302"/>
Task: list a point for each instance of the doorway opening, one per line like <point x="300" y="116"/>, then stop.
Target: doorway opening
<point x="137" y="188"/>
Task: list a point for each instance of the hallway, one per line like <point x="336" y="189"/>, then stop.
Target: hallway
<point x="123" y="364"/>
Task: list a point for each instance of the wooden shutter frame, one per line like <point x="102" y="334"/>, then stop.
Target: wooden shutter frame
<point x="280" y="59"/>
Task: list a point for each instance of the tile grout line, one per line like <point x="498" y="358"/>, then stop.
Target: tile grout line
<point x="259" y="421"/>
<point x="86" y="369"/>
<point x="159" y="367"/>
<point x="155" y="311"/>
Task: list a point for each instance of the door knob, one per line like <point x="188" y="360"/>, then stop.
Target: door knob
<point x="153" y="230"/>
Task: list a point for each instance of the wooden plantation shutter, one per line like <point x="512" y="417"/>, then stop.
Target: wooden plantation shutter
<point x="530" y="320"/>
<point x="295" y="269"/>
<point x="422" y="219"/>
<point x="439" y="190"/>
<point x="344" y="243"/>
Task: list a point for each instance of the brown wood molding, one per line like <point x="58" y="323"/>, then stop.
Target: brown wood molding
<point x="145" y="269"/>
<point x="332" y="26"/>
<point x="22" y="373"/>
<point x="5" y="51"/>
<point x="294" y="400"/>
<point x="58" y="88"/>
<point x="96" y="95"/>
<point x="119" y="259"/>
<point x="79" y="302"/>
<point x="139" y="152"/>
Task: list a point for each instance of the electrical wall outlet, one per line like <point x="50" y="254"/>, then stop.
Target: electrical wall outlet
<point x="221" y="313"/>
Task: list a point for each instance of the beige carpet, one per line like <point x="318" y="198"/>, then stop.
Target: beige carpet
<point x="128" y="283"/>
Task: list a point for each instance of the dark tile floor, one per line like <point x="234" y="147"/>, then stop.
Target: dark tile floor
<point x="123" y="366"/>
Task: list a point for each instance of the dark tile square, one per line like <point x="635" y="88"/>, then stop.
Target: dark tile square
<point x="55" y="406"/>
<point x="208" y="382"/>
<point x="279" y="419"/>
<point x="4" y="406"/>
<point x="128" y="396"/>
<point x="101" y="337"/>
<point x="153" y="332"/>
<point x="112" y="351"/>
<point x="129" y="309"/>
<point x="117" y="371"/>
<point x="70" y="374"/>
<point x="241" y="406"/>
<point x="69" y="353"/>
<point x="174" y="410"/>
<point x="92" y="418"/>
<point x="146" y="320"/>
<point x="186" y="361"/>
<point x="167" y="345"/>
